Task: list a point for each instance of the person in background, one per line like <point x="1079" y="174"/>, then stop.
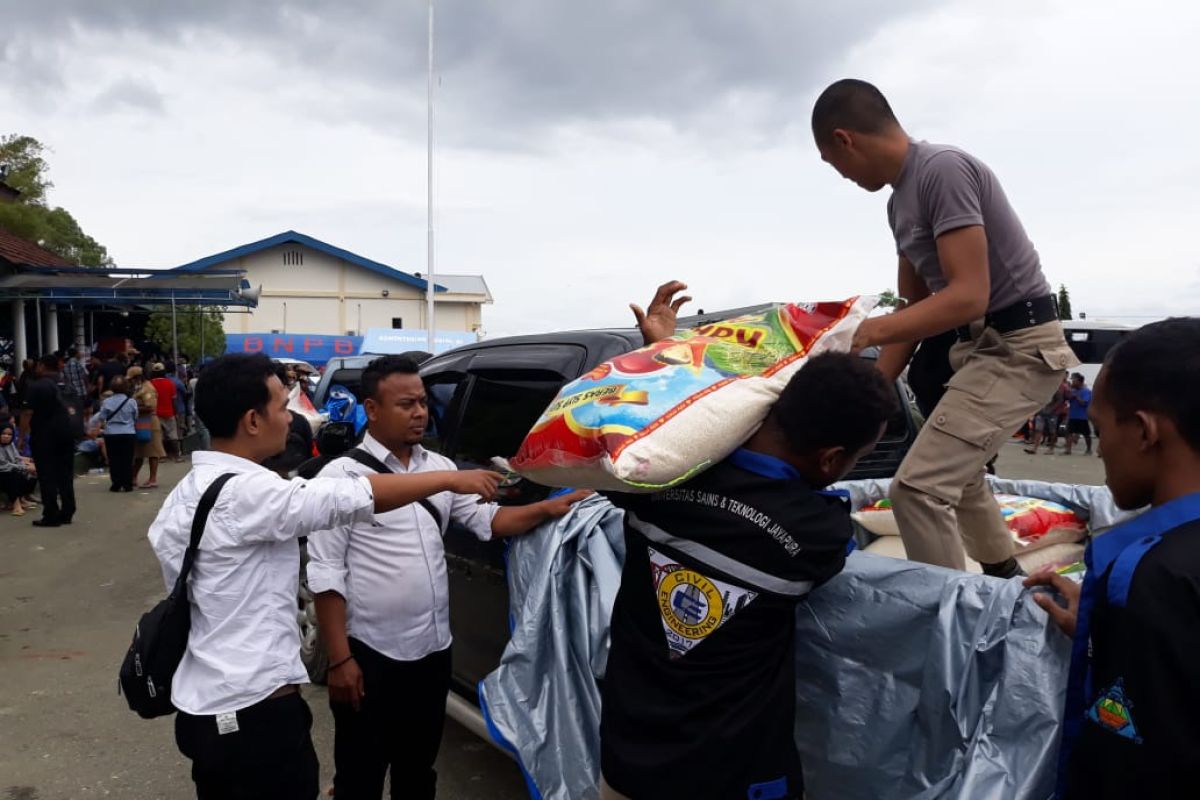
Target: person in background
<point x="147" y="406"/>
<point x="18" y="477"/>
<point x="75" y="378"/>
<point x="1131" y="727"/>
<point x="112" y="367"/>
<point x="164" y="387"/>
<point x="181" y="406"/>
<point x="24" y="413"/>
<point x="53" y="446"/>
<point x="1045" y="424"/>
<point x="197" y="423"/>
<point x="299" y="445"/>
<point x="1080" y="398"/>
<point x="118" y="417"/>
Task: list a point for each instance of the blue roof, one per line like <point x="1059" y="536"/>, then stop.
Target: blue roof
<point x="315" y="244"/>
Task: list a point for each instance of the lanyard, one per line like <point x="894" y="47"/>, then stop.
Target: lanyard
<point x="1116" y="553"/>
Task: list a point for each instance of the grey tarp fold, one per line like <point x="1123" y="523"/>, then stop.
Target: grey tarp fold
<point x="913" y="681"/>
<point x="543" y="699"/>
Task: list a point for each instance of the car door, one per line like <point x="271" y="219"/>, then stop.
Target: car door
<point x="478" y="413"/>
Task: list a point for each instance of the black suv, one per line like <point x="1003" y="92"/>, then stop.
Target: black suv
<point x="483" y="399"/>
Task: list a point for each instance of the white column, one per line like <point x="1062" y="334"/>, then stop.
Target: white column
<point x="20" y="349"/>
<point x="51" y="328"/>
<point x="80" y="338"/>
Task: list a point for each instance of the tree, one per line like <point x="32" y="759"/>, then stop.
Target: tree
<point x="1064" y="302"/>
<point x="888" y="299"/>
<point x="188" y="321"/>
<point x="30" y="217"/>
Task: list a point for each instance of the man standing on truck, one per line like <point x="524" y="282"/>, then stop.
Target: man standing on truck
<point x="382" y="598"/>
<point x="965" y="265"/>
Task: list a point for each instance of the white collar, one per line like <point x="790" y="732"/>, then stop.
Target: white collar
<point x="375" y="448"/>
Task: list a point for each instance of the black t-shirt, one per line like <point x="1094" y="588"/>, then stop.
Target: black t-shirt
<point x="1141" y="734"/>
<point x="699" y="692"/>
<point x="110" y="371"/>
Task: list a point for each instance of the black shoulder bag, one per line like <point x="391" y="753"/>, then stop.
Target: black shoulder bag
<point x="161" y="635"/>
<point x="371" y="462"/>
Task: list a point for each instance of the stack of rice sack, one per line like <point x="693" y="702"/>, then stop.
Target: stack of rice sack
<point x="1044" y="532"/>
<point x="656" y="416"/>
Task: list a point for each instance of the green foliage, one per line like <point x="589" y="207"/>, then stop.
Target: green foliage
<point x="1064" y="302"/>
<point x="25" y="168"/>
<point x="158" y="330"/>
<point x="31" y="218"/>
<point x="888" y="299"/>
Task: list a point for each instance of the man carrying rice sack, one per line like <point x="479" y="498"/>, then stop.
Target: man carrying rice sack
<point x="699" y="691"/>
<point x="965" y="264"/>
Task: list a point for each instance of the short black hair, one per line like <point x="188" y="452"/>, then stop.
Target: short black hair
<point x="835" y="400"/>
<point x="1078" y="375"/>
<point x="73" y="352"/>
<point x="49" y="361"/>
<point x="384" y="366"/>
<point x="231" y="386"/>
<point x="852" y="104"/>
<point x="1157" y="368"/>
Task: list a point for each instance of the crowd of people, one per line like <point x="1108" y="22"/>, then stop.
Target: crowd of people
<point x="123" y="411"/>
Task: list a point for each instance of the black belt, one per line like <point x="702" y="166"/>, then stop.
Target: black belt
<point x="1018" y="316"/>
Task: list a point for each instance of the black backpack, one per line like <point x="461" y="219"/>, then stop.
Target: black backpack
<point x="73" y="405"/>
<point x="161" y="635"/>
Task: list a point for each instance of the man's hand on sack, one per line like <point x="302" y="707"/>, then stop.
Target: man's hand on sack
<point x="558" y="507"/>
<point x="657" y="322"/>
<point x="1064" y="618"/>
<point x="482" y="482"/>
<point x="345" y="684"/>
<point x="865" y="335"/>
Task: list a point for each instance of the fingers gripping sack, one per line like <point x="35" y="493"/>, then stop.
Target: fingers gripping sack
<point x="660" y="414"/>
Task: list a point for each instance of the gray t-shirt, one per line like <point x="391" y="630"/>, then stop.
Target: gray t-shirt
<point x="941" y="188"/>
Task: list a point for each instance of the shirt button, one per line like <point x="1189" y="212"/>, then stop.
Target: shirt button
<point x="1062" y="360"/>
<point x="941" y="420"/>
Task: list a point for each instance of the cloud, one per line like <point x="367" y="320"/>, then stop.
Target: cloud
<point x="129" y="94"/>
<point x="513" y="73"/>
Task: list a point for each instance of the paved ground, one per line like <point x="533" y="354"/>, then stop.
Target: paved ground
<point x="68" y="601"/>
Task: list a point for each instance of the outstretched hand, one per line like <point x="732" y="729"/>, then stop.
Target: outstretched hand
<point x="1064" y="618"/>
<point x="657" y="322"/>
<point x="559" y="506"/>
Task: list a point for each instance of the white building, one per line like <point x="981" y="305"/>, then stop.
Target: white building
<point x="310" y="287"/>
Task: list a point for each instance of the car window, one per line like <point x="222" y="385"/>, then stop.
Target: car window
<point x="441" y="391"/>
<point x="501" y="408"/>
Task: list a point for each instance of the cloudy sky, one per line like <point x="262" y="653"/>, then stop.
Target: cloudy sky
<point x="587" y="151"/>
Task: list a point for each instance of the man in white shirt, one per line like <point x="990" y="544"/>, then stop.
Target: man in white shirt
<point x="241" y="720"/>
<point x="382" y="600"/>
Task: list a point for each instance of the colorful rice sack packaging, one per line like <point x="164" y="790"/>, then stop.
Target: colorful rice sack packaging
<point x="659" y="415"/>
<point x="1034" y="523"/>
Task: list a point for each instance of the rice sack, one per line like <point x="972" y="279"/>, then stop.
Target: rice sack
<point x="656" y="416"/>
<point x="1033" y="522"/>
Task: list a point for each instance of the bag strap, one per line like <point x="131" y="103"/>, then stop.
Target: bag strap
<point x="108" y="417"/>
<point x="207" y="501"/>
<point x="367" y="460"/>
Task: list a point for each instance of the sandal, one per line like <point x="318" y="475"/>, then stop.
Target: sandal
<point x="148" y="485"/>
<point x="20" y="513"/>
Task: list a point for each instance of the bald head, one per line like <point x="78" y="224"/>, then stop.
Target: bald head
<point x="852" y="105"/>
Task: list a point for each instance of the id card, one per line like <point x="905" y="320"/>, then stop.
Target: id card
<point x="227" y="723"/>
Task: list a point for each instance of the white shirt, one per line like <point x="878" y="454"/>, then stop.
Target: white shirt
<point x="392" y="570"/>
<point x="245" y="640"/>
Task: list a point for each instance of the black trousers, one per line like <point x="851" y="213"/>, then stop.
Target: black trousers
<point x="56" y="474"/>
<point x="399" y="725"/>
<point x="120" y="459"/>
<point x="16" y="484"/>
<point x="269" y="757"/>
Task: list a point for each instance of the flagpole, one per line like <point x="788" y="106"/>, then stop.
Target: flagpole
<point x="430" y="323"/>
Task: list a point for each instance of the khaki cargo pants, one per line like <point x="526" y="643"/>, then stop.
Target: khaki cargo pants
<point x="940" y="498"/>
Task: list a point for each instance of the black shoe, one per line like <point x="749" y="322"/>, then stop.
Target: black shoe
<point x="67" y="521"/>
<point x="1005" y="569"/>
<point x="46" y="523"/>
<point x="114" y="488"/>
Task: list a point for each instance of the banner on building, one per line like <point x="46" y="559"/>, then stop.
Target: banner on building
<point x="315" y="348"/>
<point x="387" y="341"/>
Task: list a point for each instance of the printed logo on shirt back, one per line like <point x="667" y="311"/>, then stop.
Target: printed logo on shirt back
<point x="692" y="605"/>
